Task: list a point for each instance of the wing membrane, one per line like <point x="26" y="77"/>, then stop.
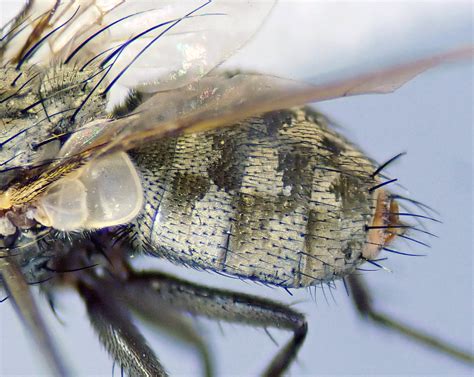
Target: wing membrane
<point x="159" y="45"/>
<point x="213" y="102"/>
<point x="217" y="101"/>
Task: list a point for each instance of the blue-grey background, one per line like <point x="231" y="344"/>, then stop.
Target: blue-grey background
<point x="431" y="118"/>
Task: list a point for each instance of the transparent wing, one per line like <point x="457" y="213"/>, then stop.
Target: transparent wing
<point x="161" y="44"/>
<point x="220" y="100"/>
<point x="212" y="102"/>
<point x="45" y="29"/>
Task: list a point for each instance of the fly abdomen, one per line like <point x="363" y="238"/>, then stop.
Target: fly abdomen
<point x="281" y="199"/>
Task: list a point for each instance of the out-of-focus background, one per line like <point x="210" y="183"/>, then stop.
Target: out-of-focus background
<point x="431" y="118"/>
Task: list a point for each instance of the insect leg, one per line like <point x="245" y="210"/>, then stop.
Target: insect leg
<point x="160" y="313"/>
<point x="116" y="331"/>
<point x="20" y="294"/>
<point x="363" y="303"/>
<point x="230" y="307"/>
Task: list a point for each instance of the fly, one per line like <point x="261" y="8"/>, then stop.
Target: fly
<point x="187" y="191"/>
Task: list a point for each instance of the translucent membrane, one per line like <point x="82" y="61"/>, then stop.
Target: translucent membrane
<point x="105" y="193"/>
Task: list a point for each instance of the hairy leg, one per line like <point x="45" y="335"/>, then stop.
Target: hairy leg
<point x="228" y="306"/>
<point x="118" y="334"/>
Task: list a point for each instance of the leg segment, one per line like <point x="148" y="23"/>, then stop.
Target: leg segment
<point x="363" y="303"/>
<point x="20" y="294"/>
<point x="118" y="334"/>
<point x="227" y="306"/>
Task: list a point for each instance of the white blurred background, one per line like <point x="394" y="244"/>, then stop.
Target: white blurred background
<point x="431" y="118"/>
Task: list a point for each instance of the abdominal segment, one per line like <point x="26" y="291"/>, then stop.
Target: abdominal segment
<point x="281" y="199"/>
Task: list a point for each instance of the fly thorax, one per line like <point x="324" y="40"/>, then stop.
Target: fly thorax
<point x="39" y="109"/>
<point x="45" y="116"/>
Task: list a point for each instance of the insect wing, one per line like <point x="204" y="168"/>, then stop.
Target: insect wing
<point x="160" y="44"/>
<point x="217" y="101"/>
<point x="44" y="30"/>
